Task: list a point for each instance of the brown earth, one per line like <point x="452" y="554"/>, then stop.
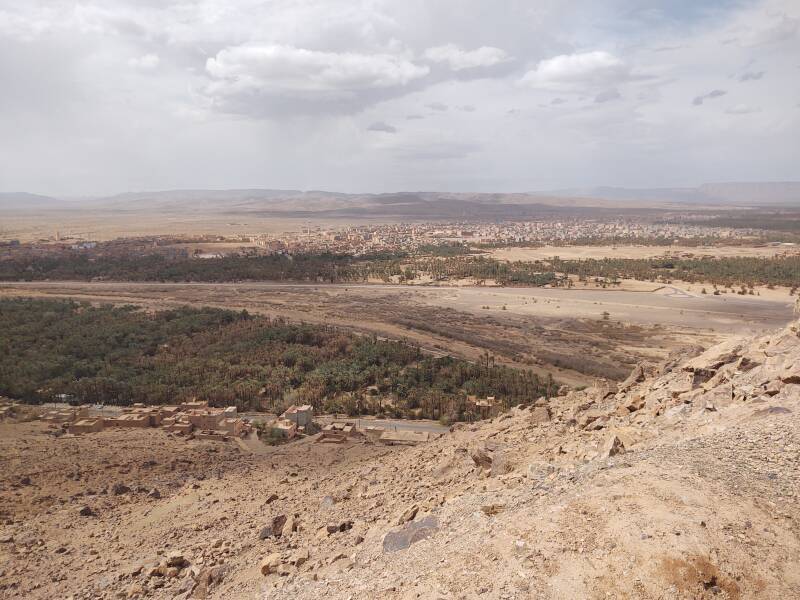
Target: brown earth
<point x="679" y="483"/>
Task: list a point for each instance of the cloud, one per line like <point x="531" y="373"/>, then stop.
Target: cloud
<point x="467" y="108"/>
<point x="437" y="106"/>
<point x="782" y="28"/>
<point x="578" y="72"/>
<point x="751" y="75"/>
<point x="742" y="109"/>
<point x="459" y="60"/>
<point x="698" y="101"/>
<point x="607" y="96"/>
<point x="382" y="127"/>
<point x="299" y="70"/>
<point x="414" y="117"/>
<point x="145" y="62"/>
<point x="557" y="101"/>
<point x="251" y="78"/>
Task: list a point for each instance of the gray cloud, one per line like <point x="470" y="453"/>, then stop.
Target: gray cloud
<point x="699" y="100"/>
<point x="607" y="96"/>
<point x="752" y="75"/>
<point x="383" y="127"/>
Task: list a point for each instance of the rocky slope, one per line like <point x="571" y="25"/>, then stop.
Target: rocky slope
<point x="682" y="482"/>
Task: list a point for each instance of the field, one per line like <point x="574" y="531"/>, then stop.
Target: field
<point x="563" y="331"/>
<point x="107" y="225"/>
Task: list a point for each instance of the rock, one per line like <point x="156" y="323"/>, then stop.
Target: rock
<point x="492" y="509"/>
<point x="589" y="416"/>
<point x="636" y="376"/>
<point x="271" y="499"/>
<point x="274" y="529"/>
<point x="481" y="458"/>
<point x="300" y="557"/>
<point x="86" y="511"/>
<point x="291" y="525"/>
<point x="135" y="591"/>
<point x="270" y="563"/>
<point x="176" y="559"/>
<point x="539" y="415"/>
<point x="332" y="528"/>
<point x="154" y="493"/>
<point x="410" y="533"/>
<point x="612" y="447"/>
<point x="6" y="539"/>
<point x="408" y="514"/>
<point x="25" y="481"/>
<point x="120" y="488"/>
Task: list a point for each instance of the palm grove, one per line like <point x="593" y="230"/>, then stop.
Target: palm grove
<point x="122" y="355"/>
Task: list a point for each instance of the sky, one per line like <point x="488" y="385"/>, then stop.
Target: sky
<point x="106" y="96"/>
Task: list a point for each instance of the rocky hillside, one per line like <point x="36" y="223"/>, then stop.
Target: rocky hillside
<point x="681" y="482"/>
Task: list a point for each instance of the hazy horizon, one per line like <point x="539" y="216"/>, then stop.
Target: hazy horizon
<point x="378" y="96"/>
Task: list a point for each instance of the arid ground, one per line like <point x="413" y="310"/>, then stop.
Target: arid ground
<point x="678" y="485"/>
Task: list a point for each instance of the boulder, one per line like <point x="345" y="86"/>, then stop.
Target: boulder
<point x="274" y="529"/>
<point x="612" y="446"/>
<point x="120" y="488"/>
<point x="270" y="564"/>
<point x="539" y="415"/>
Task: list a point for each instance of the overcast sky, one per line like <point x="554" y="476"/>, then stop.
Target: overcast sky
<point x="105" y="96"/>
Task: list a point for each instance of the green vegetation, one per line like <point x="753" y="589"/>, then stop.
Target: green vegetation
<point x="727" y="271"/>
<point x="121" y="355"/>
<point x="446" y="263"/>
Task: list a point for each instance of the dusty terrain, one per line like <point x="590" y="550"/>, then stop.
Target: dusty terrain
<point x="551" y="330"/>
<point x="678" y="483"/>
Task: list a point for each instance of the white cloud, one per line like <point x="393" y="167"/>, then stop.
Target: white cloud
<point x="289" y="69"/>
<point x="144" y="62"/>
<point x="459" y="60"/>
<point x="269" y="80"/>
<point x="578" y="72"/>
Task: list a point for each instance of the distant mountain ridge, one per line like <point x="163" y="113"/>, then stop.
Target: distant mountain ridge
<point x="741" y="193"/>
<point x="427" y="205"/>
